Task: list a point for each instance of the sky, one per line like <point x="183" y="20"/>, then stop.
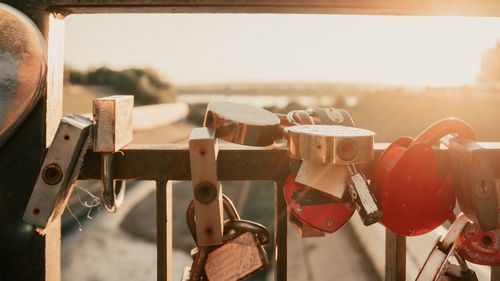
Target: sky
<point x="225" y="48"/>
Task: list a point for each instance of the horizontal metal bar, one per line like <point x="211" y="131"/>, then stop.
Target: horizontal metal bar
<point x="149" y="162"/>
<point x="371" y="7"/>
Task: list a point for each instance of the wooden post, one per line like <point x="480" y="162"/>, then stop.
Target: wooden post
<point x="25" y="255"/>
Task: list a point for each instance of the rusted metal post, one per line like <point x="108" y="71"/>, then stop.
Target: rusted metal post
<point x="280" y="231"/>
<point x="25" y="254"/>
<point x="164" y="230"/>
<point x="395" y="256"/>
<point x="495" y="273"/>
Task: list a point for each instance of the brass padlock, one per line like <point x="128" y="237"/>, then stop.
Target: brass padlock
<point x="241" y="253"/>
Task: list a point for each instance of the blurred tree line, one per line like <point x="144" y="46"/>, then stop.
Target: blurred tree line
<point x="490" y="67"/>
<point x="146" y="85"/>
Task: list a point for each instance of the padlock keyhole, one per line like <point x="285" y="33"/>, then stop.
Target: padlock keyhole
<point x="486" y="240"/>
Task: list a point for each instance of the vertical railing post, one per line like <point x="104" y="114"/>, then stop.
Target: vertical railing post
<point x="495" y="273"/>
<point x="164" y="230"/>
<point x="395" y="256"/>
<point x="280" y="232"/>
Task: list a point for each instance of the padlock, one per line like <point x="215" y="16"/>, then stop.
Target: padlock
<point x="239" y="256"/>
<point x="303" y="229"/>
<point x="315" y="208"/>
<point x="413" y="191"/>
<point x="242" y="124"/>
<point x="23" y="69"/>
<point x="478" y="246"/>
<point x="331" y="116"/>
<point x="437" y="262"/>
<point x="319" y="116"/>
<point x="474" y="182"/>
<point x="331" y="144"/>
<point x="331" y="179"/>
<point x="460" y="272"/>
<point x="59" y="171"/>
<point x="112" y="131"/>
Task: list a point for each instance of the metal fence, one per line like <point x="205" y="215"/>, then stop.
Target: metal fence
<point x="27" y="256"/>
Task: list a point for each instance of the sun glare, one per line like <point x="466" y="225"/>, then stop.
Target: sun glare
<point x="216" y="48"/>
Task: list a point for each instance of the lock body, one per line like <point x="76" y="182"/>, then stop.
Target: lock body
<point x="23" y="69"/>
<point x="413" y="189"/>
<point x="59" y="171"/>
<point x="480" y="247"/>
<point x="315" y="208"/>
<point x="474" y="182"/>
<point x="240" y="255"/>
<point x="242" y="124"/>
<point x="330" y="144"/>
<point x="438" y="261"/>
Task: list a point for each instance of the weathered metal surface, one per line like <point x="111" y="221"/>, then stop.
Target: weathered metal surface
<point x="59" y="172"/>
<point x="331" y="179"/>
<point x="112" y="131"/>
<point x="437" y="260"/>
<point x="474" y="182"/>
<point x="330" y="144"/>
<point x="164" y="222"/>
<point x="23" y="69"/>
<point x="113" y="123"/>
<point x="146" y="162"/>
<point x="238" y="258"/>
<point x="242" y="124"/>
<point x="207" y="189"/>
<point x="395" y="256"/>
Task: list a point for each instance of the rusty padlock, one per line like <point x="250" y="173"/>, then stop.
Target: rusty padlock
<point x="241" y="253"/>
<point x="460" y="271"/>
<point x="474" y="182"/>
<point x="478" y="246"/>
<point x="414" y="192"/>
<point x="438" y="261"/>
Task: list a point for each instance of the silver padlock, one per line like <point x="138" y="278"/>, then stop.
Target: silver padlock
<point x="437" y="261"/>
<point x="330" y="145"/>
<point x="329" y="178"/>
<point x="59" y="171"/>
<point x="112" y="131"/>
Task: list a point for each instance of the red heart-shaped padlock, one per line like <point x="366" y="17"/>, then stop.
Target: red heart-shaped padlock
<point x="479" y="247"/>
<point x="315" y="208"/>
<point x="415" y="196"/>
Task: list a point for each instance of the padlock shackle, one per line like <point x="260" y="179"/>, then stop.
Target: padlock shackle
<point x="112" y="191"/>
<point x="229" y="208"/>
<point x="441" y="128"/>
<point x="258" y="229"/>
